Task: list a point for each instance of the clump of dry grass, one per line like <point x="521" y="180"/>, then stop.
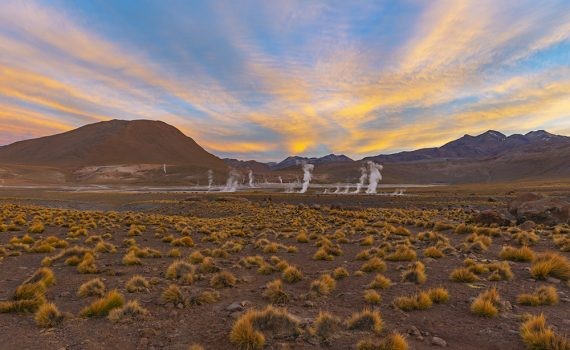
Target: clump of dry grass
<point x="94" y="287"/>
<point x="339" y="273"/>
<point x="464" y="228"/>
<point x="246" y="332"/>
<point x="394" y="341"/>
<point x="543" y="295"/>
<point x="326" y="326"/>
<point x="30" y="295"/>
<point x="402" y="253"/>
<point x="291" y="274"/>
<point x="463" y="274"/>
<point x="137" y="284"/>
<point x="275" y="293"/>
<point x="415" y="273"/>
<point x="374" y="265"/>
<point x="324" y="285"/>
<point x="372" y="297"/>
<point x="380" y="282"/>
<point x="487" y="303"/>
<point x="419" y="301"/>
<point x="438" y="295"/>
<point x="369" y="320"/>
<point x="224" y="279"/>
<point x="500" y="271"/>
<point x="516" y="254"/>
<point x="48" y="315"/>
<point x="537" y="335"/>
<point x="550" y="264"/>
<point x="102" y="306"/>
<point x="173" y="294"/>
<point x="433" y="252"/>
<point x="87" y="264"/>
<point x="130" y="310"/>
<point x="526" y="237"/>
<point x="179" y="269"/>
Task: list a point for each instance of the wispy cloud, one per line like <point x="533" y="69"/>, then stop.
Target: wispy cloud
<point x="266" y="79"/>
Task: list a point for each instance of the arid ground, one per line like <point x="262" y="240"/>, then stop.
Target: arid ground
<point x="174" y="270"/>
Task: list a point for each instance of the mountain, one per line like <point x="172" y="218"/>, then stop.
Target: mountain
<point x="114" y="152"/>
<point x="255" y="166"/>
<point x="110" y="143"/>
<point x="292" y="161"/>
<point x="489" y="144"/>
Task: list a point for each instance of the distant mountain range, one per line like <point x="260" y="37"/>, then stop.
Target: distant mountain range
<point x="153" y="152"/>
<point x="489" y="144"/>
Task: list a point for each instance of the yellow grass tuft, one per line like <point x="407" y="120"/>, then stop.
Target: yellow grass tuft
<point x="369" y="320"/>
<point x="550" y="265"/>
<point x="101" y="307"/>
<point x="544" y="295"/>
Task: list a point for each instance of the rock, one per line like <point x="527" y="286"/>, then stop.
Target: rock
<point x="308" y="303"/>
<point x="540" y="209"/>
<point x="437" y="341"/>
<point x="527" y="225"/>
<point x="415" y="332"/>
<point x="553" y="280"/>
<point x="491" y="216"/>
<point x="180" y="306"/>
<point x="235" y="306"/>
<point x="522" y="198"/>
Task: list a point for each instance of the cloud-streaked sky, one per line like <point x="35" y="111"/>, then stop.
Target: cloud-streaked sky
<point x="266" y="79"/>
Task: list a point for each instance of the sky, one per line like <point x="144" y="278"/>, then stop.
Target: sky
<point x="267" y="79"/>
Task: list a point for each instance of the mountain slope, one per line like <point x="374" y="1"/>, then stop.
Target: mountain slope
<point x="292" y="161"/>
<point x="489" y="144"/>
<point x="110" y="143"/>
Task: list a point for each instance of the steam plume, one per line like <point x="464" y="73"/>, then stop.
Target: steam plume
<point x="210" y="179"/>
<point x="374" y="176"/>
<point x="363" y="177"/>
<point x="250" y="176"/>
<point x="232" y="183"/>
<point x="307" y="176"/>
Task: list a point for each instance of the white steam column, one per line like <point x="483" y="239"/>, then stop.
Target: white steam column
<point x="307" y="176"/>
<point x="374" y="176"/>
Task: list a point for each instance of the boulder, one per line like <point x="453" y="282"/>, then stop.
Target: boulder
<point x="548" y="211"/>
<point x="523" y="198"/>
<point x="491" y="216"/>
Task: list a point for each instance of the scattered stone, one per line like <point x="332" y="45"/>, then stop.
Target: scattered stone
<point x="553" y="280"/>
<point x="527" y="225"/>
<point x="491" y="216"/>
<point x="308" y="303"/>
<point x="235" y="306"/>
<point x="437" y="341"/>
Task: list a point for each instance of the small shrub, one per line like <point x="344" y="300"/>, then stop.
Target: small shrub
<point x="324" y="285"/>
<point x="326" y="326"/>
<point x="275" y="293"/>
<point x="544" y="295"/>
<point x="101" y="307"/>
<point x="369" y="320"/>
<point x="224" y="279"/>
<point x="292" y="274"/>
<point x="372" y="297"/>
<point x="486" y="304"/>
<point x="94" y="287"/>
<point x="550" y="264"/>
<point x="374" y="265"/>
<point x="516" y="254"/>
<point x="380" y="282"/>
<point x="137" y="284"/>
<point x="463" y="275"/>
<point x="131" y="310"/>
<point x="48" y="316"/>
